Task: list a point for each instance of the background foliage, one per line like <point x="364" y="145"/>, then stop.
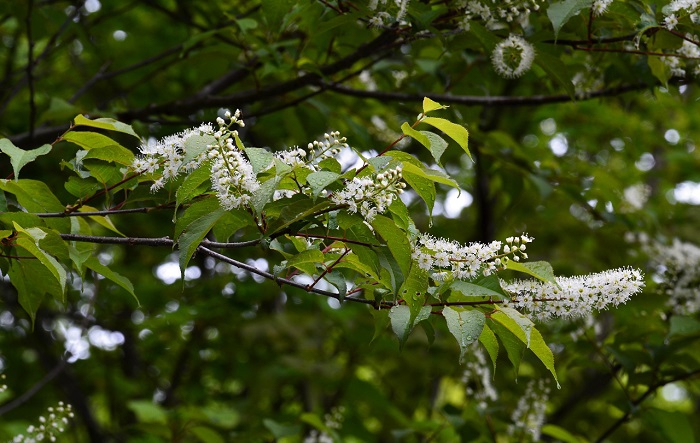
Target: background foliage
<point x="230" y="357"/>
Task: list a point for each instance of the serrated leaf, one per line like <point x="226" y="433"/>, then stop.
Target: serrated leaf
<point x="456" y="132"/>
<point x="94" y="264"/>
<point x="263" y="194"/>
<point x="33" y="281"/>
<point x="230" y="223"/>
<point x="464" y="291"/>
<point x="259" y="158"/>
<point x="114" y="154"/>
<point x="543" y="353"/>
<point x="337" y="279"/>
<point x="433" y="175"/>
<point x="403" y="322"/>
<point x="561" y="12"/>
<point x="424" y="187"/>
<point x="396" y="239"/>
<point x="104" y="123"/>
<point x="433" y="142"/>
<point x="188" y="189"/>
<point x="197" y="144"/>
<point x="381" y="320"/>
<point x="193" y="235"/>
<point x="659" y="69"/>
<point x="29" y="240"/>
<point x="195" y="211"/>
<point x="490" y="342"/>
<point x="525" y="324"/>
<point x="89" y="140"/>
<point x="100" y="219"/>
<point x="430" y="105"/>
<point x="465" y="325"/>
<point x="515" y="348"/>
<point x="541" y="270"/>
<point x="308" y="256"/>
<point x="19" y="157"/>
<point x="319" y="180"/>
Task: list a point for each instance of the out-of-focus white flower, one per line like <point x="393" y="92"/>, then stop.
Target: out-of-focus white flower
<point x="513" y="57"/>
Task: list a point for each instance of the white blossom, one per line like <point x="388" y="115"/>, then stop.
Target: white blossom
<point x="513" y="57"/>
<point x="576" y="296"/>
<point x="529" y="414"/>
<point x="371" y="195"/>
<point x="678" y="267"/>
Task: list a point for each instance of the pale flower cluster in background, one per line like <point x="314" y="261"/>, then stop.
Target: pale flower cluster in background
<point x="494" y="14"/>
<point x="478" y="379"/>
<point x="575" y="296"/>
<point x="529" y="414"/>
<point x="49" y="426"/>
<point x="678" y="266"/>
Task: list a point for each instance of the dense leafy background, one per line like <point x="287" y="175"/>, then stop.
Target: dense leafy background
<point x="229" y="358"/>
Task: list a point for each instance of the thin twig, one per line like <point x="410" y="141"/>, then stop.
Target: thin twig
<point x="18" y="401"/>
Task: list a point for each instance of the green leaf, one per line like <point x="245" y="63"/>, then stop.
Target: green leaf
<point x="465" y="325"/>
<point x="195" y="211"/>
<point x="456" y="132"/>
<point x="433" y="142"/>
<point x="524" y="323"/>
<point x="197" y="144"/>
<point x="148" y="412"/>
<point x="29" y="240"/>
<point x="561" y="12"/>
<point x="415" y="288"/>
<point x="555" y="69"/>
<point x="319" y="180"/>
<point x="683" y="325"/>
<point x="33" y="281"/>
<point x="659" y="69"/>
<point x="281" y="430"/>
<point x="114" y="154"/>
<point x="424" y="187"/>
<point x="673" y="427"/>
<point x="561" y="434"/>
<point x="337" y="279"/>
<point x="403" y="321"/>
<point x="89" y="140"/>
<point x="263" y="194"/>
<point x="230" y="223"/>
<point x="191" y="186"/>
<point x="193" y="234"/>
<point x="433" y="175"/>
<point x="206" y="435"/>
<point x="100" y="219"/>
<point x="543" y="353"/>
<point x="19" y="157"/>
<point x="260" y="158"/>
<point x="490" y="342"/>
<point x="308" y="256"/>
<point x="464" y="291"/>
<point x="430" y="105"/>
<point x="538" y="269"/>
<point x="396" y="239"/>
<point x="94" y="264"/>
<point x="104" y="123"/>
<point x="515" y="348"/>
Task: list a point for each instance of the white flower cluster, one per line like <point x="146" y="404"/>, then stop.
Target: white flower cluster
<point x="49" y="427"/>
<point x="578" y="295"/>
<point x="477" y="378"/>
<point x="529" y="414"/>
<point x="689" y="55"/>
<point x="380" y="18"/>
<point x="450" y="259"/>
<point x="330" y="146"/>
<point x="513" y="57"/>
<point x="600" y="6"/>
<point x="679" y="267"/>
<point x="232" y="174"/>
<point x="493" y="14"/>
<point x="333" y="420"/>
<point x="589" y="80"/>
<point x="371" y="195"/>
<point x="3" y="387"/>
<point x="167" y="156"/>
